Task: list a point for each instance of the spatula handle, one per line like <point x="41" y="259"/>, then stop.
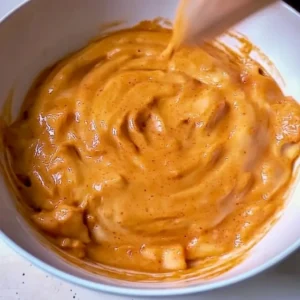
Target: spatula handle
<point x="208" y="18"/>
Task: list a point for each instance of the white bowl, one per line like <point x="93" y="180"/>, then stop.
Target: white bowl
<point x="40" y="32"/>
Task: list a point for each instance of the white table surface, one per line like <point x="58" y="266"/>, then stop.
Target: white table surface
<point x="20" y="280"/>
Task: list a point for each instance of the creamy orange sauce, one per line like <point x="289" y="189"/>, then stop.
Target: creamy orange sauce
<point x="149" y="162"/>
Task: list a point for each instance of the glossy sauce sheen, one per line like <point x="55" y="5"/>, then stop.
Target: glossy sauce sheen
<point x="140" y="160"/>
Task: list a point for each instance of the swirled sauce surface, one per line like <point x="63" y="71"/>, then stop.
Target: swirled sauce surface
<point x="150" y="162"/>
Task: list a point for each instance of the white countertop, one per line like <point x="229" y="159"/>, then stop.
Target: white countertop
<point x="20" y="280"/>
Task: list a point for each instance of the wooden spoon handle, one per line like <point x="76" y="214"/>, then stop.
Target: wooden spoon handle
<point x="209" y="18"/>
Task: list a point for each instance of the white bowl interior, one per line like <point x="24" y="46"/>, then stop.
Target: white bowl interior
<point x="43" y="31"/>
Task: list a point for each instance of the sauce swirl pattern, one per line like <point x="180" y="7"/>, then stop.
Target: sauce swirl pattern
<point x="148" y="162"/>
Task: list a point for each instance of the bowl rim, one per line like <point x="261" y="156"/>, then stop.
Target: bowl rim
<point x="156" y="292"/>
<point x="140" y="292"/>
